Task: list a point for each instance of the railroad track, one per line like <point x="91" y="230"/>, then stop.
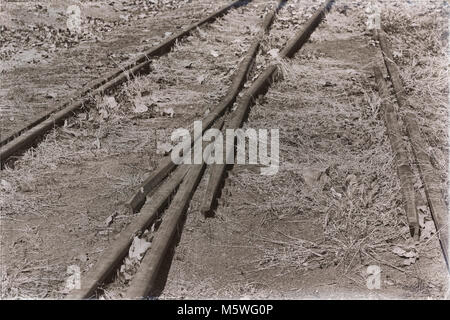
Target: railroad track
<point x="27" y="136"/>
<point x="428" y="175"/>
<point x="171" y="187"/>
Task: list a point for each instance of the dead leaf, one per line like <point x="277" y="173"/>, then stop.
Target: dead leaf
<point x="274" y="53"/>
<point x="409" y="261"/>
<point x="138" y="248"/>
<point x="200" y="79"/>
<point x="103" y="113"/>
<point x="312" y="175"/>
<point x="421" y="219"/>
<point x="428" y="230"/>
<point x="51" y="95"/>
<point x="409" y="254"/>
<point x="127" y="276"/>
<point x="335" y="194"/>
<point x="139" y="105"/>
<point x="397" y="54"/>
<point x="351" y="184"/>
<point x="168" y="112"/>
<point x="389" y="282"/>
<point x="71" y="132"/>
<point x="110" y="102"/>
<point x="214" y="53"/>
<point x="83" y="257"/>
<point x="97" y="143"/>
<point x="163" y="148"/>
<point x="5" y="185"/>
<point x="398" y="251"/>
<point x="110" y="219"/>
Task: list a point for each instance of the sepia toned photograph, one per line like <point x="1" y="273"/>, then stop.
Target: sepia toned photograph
<point x="249" y="150"/>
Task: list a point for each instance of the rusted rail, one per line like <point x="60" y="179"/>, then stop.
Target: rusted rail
<point x="435" y="199"/>
<point x="404" y="171"/>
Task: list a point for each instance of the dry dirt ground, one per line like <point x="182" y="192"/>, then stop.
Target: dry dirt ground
<point x="43" y="63"/>
<point x="313" y="230"/>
